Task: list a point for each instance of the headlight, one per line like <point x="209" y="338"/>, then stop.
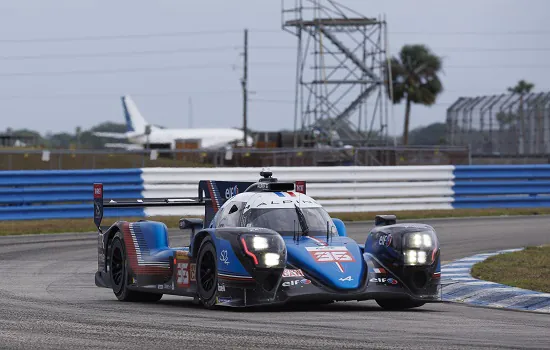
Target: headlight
<point x="419" y="240"/>
<point x="259" y="243"/>
<point x="272" y="259"/>
<point x="419" y="247"/>
<point x="265" y="251"/>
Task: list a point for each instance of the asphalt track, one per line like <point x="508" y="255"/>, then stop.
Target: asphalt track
<point x="48" y="300"/>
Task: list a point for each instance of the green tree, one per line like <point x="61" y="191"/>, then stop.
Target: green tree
<point x="415" y="79"/>
<point x="433" y="134"/>
<point x="522" y="87"/>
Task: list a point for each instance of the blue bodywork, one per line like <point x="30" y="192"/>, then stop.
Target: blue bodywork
<point x="301" y="266"/>
<point x="325" y="268"/>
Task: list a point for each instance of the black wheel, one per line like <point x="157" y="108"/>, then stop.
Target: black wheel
<point x="207" y="273"/>
<point x="398" y="304"/>
<point x="119" y="275"/>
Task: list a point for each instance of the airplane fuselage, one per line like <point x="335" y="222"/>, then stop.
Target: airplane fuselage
<point x="208" y="138"/>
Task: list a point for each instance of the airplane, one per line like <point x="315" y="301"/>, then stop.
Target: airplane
<point x="164" y="138"/>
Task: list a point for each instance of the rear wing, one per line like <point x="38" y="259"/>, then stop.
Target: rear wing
<point x="211" y="194"/>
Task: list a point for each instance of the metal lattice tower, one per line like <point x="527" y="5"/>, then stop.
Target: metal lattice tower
<point x="341" y="67"/>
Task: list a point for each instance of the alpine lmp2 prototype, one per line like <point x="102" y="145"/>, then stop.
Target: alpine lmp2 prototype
<point x="265" y="243"/>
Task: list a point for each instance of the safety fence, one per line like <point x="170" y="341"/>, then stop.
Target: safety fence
<point x="26" y="195"/>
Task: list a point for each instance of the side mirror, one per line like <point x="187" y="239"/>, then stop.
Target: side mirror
<point x="193" y="224"/>
<point x="340" y="227"/>
<point x="385" y="220"/>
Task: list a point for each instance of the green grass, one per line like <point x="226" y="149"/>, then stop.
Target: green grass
<point x="528" y="269"/>
<point x="86" y="225"/>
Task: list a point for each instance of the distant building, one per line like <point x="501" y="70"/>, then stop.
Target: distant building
<point x="9" y="140"/>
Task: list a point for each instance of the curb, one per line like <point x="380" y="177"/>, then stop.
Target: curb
<point x="460" y="286"/>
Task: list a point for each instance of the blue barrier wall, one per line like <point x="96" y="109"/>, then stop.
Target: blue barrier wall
<point x="28" y="195"/>
<point x="502" y="186"/>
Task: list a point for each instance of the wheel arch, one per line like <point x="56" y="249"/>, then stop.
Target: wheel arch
<point x="108" y="238"/>
<point x="197" y="240"/>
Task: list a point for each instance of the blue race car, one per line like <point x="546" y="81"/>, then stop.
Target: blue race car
<point x="265" y="243"/>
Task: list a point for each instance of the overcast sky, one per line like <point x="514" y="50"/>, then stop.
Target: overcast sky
<point x="52" y="93"/>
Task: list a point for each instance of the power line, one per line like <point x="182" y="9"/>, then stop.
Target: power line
<point x="119" y="53"/>
<point x="117" y="70"/>
<point x="112" y="95"/>
<point x="219" y="66"/>
<point x="257" y="30"/>
<point x="117" y="37"/>
<point x="266" y="100"/>
<point x="224" y="48"/>
<point x="516" y="32"/>
<point x="492" y="49"/>
<point x="505" y="66"/>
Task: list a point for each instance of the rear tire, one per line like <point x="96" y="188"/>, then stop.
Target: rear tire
<point x="398" y="304"/>
<point x="119" y="275"/>
<point x="207" y="273"/>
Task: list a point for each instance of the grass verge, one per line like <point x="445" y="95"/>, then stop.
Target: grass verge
<point x="86" y="225"/>
<point x="528" y="269"/>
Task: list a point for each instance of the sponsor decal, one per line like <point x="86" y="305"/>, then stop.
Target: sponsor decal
<point x="385" y="240"/>
<point x="221" y="288"/>
<point x="160" y="286"/>
<point x="384" y="280"/>
<point x="222" y="300"/>
<point x="223" y="257"/>
<point x="379" y="270"/>
<point x="193" y="273"/>
<point x="293" y="273"/>
<point x="296" y="282"/>
<point x="349" y="279"/>
<point x="329" y="254"/>
<point x="168" y="286"/>
<point x="231" y="191"/>
<point x="182" y="274"/>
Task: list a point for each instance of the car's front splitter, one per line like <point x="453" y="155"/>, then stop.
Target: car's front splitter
<point x="302" y="289"/>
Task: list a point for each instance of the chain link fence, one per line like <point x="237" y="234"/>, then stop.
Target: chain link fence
<point x="500" y="127"/>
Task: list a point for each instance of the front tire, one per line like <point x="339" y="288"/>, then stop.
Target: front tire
<point x="398" y="304"/>
<point x="207" y="273"/>
<point x="119" y="275"/>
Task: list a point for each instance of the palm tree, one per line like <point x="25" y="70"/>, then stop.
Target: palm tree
<point x="415" y="80"/>
<point x="522" y="88"/>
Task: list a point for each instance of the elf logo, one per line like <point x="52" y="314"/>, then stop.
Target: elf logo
<point x="231" y="191"/>
<point x="296" y="282"/>
<point x="384" y="280"/>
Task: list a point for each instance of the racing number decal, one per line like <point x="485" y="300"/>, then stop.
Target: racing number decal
<point x="184" y="270"/>
<point x="183" y="274"/>
<point x="336" y="255"/>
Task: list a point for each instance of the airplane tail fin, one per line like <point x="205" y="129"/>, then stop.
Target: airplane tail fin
<point x="134" y="120"/>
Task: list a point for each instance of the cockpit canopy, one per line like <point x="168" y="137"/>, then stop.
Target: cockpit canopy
<point x="287" y="215"/>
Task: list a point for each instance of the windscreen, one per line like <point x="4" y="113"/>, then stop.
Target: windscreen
<point x="286" y="220"/>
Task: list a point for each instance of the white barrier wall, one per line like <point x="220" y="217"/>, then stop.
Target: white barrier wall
<point x="338" y="189"/>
